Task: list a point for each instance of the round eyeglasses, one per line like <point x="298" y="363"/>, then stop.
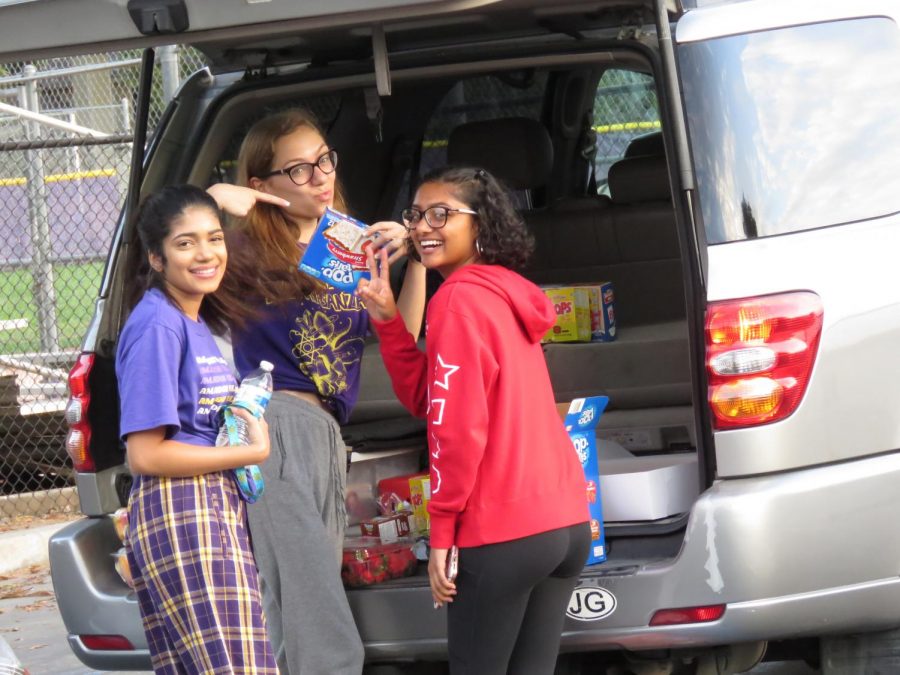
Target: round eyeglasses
<point x="435" y="216"/>
<point x="302" y="172"/>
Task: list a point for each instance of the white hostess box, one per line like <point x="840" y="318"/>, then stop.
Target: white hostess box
<point x="648" y="488"/>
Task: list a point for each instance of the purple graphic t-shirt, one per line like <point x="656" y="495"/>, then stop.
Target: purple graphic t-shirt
<point x="171" y="373"/>
<point x="316" y="345"/>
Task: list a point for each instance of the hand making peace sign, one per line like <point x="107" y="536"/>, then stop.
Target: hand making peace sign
<point x="377" y="291"/>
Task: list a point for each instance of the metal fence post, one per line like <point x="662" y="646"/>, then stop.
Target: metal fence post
<point x="38" y="215"/>
<point x="168" y="64"/>
<point x="74" y="152"/>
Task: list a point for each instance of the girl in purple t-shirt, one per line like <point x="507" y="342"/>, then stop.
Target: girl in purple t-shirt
<point x="188" y="547"/>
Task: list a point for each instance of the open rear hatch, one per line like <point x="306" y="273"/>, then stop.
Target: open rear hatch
<point x="263" y="32"/>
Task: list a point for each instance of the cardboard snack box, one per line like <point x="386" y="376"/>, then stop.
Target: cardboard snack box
<point x="387" y="528"/>
<point x="419" y="496"/>
<point x="580" y="422"/>
<point x="573" y="314"/>
<point x="336" y="253"/>
<point x="603" y="312"/>
<point x="399" y="485"/>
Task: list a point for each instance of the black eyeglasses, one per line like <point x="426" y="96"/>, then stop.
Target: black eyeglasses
<point x="302" y="172"/>
<point x="435" y="216"/>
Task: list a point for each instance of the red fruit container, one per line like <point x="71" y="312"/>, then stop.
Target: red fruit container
<point x="367" y="561"/>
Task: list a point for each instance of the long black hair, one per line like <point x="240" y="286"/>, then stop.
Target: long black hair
<point x="503" y="238"/>
<point x="152" y="223"/>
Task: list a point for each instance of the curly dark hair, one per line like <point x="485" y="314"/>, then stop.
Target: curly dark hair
<point x="503" y="238"/>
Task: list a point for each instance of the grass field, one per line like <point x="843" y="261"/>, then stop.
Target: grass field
<point x="76" y="286"/>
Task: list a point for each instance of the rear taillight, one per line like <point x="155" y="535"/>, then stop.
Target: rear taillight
<point x="683" y="615"/>
<point x="78" y="440"/>
<point x="759" y="356"/>
<point x="115" y="643"/>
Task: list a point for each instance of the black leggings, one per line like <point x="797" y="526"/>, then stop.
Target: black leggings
<point x="510" y="605"/>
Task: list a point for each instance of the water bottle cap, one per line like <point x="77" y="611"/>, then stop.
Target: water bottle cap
<point x="266" y="366"/>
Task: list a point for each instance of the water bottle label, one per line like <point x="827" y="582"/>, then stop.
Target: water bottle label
<point x="252" y="398"/>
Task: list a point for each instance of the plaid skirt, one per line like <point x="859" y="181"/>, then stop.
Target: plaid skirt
<point x="195" y="576"/>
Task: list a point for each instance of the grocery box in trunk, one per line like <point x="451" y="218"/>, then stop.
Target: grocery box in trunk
<point x="648" y="488"/>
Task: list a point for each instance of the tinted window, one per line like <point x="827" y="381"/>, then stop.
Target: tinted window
<point x="795" y="128"/>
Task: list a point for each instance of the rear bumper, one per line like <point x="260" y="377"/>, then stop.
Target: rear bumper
<point x="138" y="659"/>
<point x="851" y="609"/>
<point x="805" y="553"/>
<point x="92" y="599"/>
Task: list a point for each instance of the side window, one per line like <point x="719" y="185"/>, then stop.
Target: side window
<point x="625" y="106"/>
<point x="793" y="129"/>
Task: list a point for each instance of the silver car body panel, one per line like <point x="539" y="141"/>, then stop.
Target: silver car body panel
<point x="753" y="544"/>
<point x="854" y="389"/>
<point x="97" y="492"/>
<point x="747" y="17"/>
<point x="70" y="26"/>
<point x="91" y="597"/>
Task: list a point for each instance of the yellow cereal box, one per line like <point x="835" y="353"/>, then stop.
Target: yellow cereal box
<point x="573" y="314"/>
<point x="420" y="495"/>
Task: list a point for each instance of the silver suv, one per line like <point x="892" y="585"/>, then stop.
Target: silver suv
<point x="730" y="166"/>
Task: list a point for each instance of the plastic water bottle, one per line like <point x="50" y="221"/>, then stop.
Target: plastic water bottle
<point x="252" y="395"/>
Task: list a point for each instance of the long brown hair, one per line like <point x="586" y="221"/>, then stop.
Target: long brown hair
<point x="262" y="247"/>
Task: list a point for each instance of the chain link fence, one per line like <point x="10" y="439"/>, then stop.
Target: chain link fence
<point x="625" y="107"/>
<point x="65" y="147"/>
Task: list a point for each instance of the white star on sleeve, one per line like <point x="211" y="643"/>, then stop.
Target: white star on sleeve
<point x="448" y="369"/>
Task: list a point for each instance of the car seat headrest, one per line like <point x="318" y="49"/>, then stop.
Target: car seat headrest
<point x="639" y="179"/>
<point x="648" y="144"/>
<point x="517" y="150"/>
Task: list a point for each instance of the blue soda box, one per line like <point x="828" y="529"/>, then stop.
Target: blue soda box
<point x="336" y="253"/>
<point x="580" y="422"/>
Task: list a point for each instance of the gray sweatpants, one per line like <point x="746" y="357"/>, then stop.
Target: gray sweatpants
<point x="297" y="528"/>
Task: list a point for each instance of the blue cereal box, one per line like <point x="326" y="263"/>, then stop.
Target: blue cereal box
<point x="603" y="311"/>
<point x="336" y="253"/>
<point x="580" y="422"/>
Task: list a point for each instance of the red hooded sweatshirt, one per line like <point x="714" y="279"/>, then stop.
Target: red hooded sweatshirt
<point x="502" y="465"/>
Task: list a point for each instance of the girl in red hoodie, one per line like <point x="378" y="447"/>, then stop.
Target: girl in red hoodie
<point x="506" y="484"/>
